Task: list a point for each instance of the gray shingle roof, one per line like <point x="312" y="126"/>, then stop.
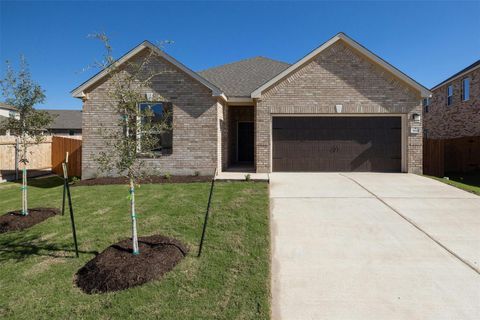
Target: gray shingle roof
<point x="241" y="78"/>
<point x="66" y="119"/>
<point x="3" y="105"/>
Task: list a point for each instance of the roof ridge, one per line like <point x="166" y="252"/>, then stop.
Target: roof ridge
<point x="456" y="74"/>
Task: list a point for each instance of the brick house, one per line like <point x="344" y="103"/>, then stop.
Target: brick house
<point x="339" y="108"/>
<point x="65" y="122"/>
<point x="454" y="108"/>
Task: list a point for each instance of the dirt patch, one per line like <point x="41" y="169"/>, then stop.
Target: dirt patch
<point x="151" y="179"/>
<point x="15" y="221"/>
<point x="116" y="268"/>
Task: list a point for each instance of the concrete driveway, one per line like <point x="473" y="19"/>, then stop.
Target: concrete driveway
<point x="373" y="246"/>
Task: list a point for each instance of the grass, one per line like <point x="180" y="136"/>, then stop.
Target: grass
<point x="467" y="181"/>
<point x="229" y="281"/>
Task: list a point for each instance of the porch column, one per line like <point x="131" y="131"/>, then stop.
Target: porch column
<point x="262" y="137"/>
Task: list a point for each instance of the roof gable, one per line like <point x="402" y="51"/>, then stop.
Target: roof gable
<point x="79" y="92"/>
<point x="424" y="92"/>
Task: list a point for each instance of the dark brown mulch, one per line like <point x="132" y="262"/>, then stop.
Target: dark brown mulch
<point x="116" y="268"/>
<point x="14" y="221"/>
<point x="151" y="179"/>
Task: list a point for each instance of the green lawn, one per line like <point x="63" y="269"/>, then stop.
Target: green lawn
<point x="466" y="181"/>
<point x="229" y="281"/>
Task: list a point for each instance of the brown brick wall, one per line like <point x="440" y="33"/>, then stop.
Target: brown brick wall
<point x="195" y="123"/>
<point x="338" y="75"/>
<point x="461" y="118"/>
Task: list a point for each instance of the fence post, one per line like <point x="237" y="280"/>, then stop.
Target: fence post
<point x="65" y="186"/>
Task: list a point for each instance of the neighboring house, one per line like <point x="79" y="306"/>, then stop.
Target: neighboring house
<point x="339" y="108"/>
<point x="6" y="111"/>
<point x="66" y="122"/>
<point x="454" y="109"/>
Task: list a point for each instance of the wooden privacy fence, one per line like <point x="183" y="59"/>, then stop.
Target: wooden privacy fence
<point x="434" y="157"/>
<point x="62" y="145"/>
<point x="451" y="155"/>
<point x="39" y="158"/>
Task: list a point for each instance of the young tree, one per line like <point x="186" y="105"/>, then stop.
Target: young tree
<point x="21" y="92"/>
<point x="140" y="129"/>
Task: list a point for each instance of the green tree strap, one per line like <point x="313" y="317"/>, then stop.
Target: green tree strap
<point x="23" y="188"/>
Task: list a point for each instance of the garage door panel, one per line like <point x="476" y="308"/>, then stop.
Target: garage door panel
<point x="336" y="144"/>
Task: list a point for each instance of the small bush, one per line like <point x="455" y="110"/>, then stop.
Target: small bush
<point x="196" y="173"/>
<point x="167" y="176"/>
<point x="248" y="177"/>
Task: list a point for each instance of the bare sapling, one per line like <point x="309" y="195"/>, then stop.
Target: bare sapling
<point x="143" y="127"/>
<point x="27" y="124"/>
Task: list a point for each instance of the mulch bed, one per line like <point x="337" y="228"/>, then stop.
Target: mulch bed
<point x="116" y="268"/>
<point x="14" y="221"/>
<point x="151" y="179"/>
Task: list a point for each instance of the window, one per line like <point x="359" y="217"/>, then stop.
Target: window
<point x="449" y="95"/>
<point x="426" y="104"/>
<point x="465" y="89"/>
<point x="156" y="116"/>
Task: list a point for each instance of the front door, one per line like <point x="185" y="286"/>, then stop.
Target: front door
<point x="245" y="142"/>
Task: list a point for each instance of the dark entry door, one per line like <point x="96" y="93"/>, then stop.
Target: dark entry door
<point x="337" y="144"/>
<point x="245" y="143"/>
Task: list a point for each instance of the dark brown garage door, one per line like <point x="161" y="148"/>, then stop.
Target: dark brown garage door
<point x="337" y="144"/>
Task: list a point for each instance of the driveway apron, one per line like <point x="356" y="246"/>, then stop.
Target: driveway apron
<point x="373" y="246"/>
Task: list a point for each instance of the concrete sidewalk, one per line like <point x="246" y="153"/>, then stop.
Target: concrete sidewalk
<point x="373" y="246"/>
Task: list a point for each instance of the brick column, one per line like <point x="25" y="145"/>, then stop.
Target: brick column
<point x="262" y="137"/>
<point x="415" y="142"/>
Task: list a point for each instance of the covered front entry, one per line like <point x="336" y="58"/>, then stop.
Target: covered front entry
<point x="366" y="143"/>
<point x="241" y="141"/>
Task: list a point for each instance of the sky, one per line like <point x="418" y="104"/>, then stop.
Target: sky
<point x="429" y="41"/>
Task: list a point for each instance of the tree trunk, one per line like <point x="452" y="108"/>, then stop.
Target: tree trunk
<point x="24" y="190"/>
<point x="134" y="218"/>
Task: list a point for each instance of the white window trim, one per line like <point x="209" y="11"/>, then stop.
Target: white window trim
<point x="139" y="132"/>
<point x="463" y="89"/>
<point x="449" y="96"/>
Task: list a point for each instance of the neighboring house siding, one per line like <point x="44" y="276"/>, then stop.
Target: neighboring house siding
<point x="5" y="113"/>
<point x="461" y="118"/>
<point x="195" y="123"/>
<point x="338" y="75"/>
